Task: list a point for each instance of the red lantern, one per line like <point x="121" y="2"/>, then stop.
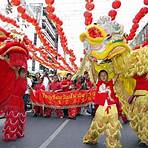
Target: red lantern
<point x="15" y="2"/>
<point x="145" y="2"/>
<point x="89" y="6"/>
<point x="112" y="13"/>
<point x="87" y="14"/>
<point x="116" y="4"/>
<point x="20" y="9"/>
<point x="49" y="2"/>
<point x="89" y="1"/>
<point x="50" y="9"/>
<point x="135" y="26"/>
<point x="24" y="16"/>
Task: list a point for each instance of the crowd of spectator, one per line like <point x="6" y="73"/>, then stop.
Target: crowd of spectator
<point x="55" y="83"/>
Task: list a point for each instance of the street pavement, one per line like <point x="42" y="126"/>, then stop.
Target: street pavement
<point x="63" y="133"/>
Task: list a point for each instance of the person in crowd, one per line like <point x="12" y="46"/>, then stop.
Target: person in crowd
<point x="67" y="85"/>
<point x="38" y="86"/>
<point x="87" y="80"/>
<point x="46" y="80"/>
<point x="26" y="97"/>
<point x="55" y="86"/>
<point x="106" y="117"/>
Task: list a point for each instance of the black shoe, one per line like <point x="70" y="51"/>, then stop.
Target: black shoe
<point x="72" y="118"/>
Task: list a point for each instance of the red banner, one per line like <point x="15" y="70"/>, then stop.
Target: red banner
<point x="62" y="99"/>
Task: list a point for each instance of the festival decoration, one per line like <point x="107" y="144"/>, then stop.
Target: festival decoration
<point x="145" y="2"/>
<point x="62" y="99"/>
<point x="142" y="12"/>
<point x="87" y="14"/>
<point x="50" y="9"/>
<point x="8" y="20"/>
<point x="42" y="38"/>
<point x="115" y="5"/>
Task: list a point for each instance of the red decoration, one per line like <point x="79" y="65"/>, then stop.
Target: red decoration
<point x="50" y="2"/>
<point x="89" y="1"/>
<point x="112" y="13"/>
<point x="145" y="2"/>
<point x="15" y="2"/>
<point x="87" y="14"/>
<point x="116" y="4"/>
<point x="50" y="9"/>
<point x="20" y="9"/>
<point x="90" y="6"/>
<point x="135" y="26"/>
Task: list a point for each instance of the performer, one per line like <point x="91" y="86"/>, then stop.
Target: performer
<point x="13" y="68"/>
<point x="106" y="117"/>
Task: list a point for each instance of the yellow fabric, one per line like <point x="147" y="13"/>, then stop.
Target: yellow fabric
<point x="104" y="122"/>
<point x="110" y="47"/>
<point x="129" y="84"/>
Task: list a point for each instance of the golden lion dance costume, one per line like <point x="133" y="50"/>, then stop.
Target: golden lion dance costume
<point x="13" y="59"/>
<point x="106" y="117"/>
<point x="113" y="54"/>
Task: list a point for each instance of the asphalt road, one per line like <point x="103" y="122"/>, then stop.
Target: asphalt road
<point x="63" y="133"/>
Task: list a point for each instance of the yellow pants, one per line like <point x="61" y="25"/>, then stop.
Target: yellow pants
<point x="105" y="121"/>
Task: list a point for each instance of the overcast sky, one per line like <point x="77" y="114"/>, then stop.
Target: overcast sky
<point x="71" y="12"/>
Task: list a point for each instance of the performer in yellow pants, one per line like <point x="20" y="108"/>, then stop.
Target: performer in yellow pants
<point x="105" y="120"/>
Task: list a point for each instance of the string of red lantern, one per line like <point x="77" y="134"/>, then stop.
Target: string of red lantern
<point x="34" y="22"/>
<point x="142" y="12"/>
<point x="88" y="14"/>
<point x="8" y="20"/>
<point x="43" y="54"/>
<point x="31" y="46"/>
<point x="115" y="5"/>
<point x="63" y="40"/>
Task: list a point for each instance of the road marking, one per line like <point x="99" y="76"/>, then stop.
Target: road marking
<point x="51" y="137"/>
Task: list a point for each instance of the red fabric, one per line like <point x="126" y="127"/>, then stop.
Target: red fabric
<point x="59" y="112"/>
<point x="54" y="86"/>
<point x="89" y="83"/>
<point x="16" y="102"/>
<point x="141" y="82"/>
<point x="39" y="87"/>
<point x="10" y="44"/>
<point x="18" y="59"/>
<point x="14" y="126"/>
<point x="7" y="83"/>
<point x="66" y="82"/>
<point x="101" y="97"/>
<point x="78" y="86"/>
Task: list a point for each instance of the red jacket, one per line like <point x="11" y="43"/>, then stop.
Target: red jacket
<point x="103" y="91"/>
<point x="39" y="87"/>
<point x="66" y="82"/>
<point x="54" y="86"/>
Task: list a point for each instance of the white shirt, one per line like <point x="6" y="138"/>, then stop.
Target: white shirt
<point x="29" y="84"/>
<point x="45" y="83"/>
